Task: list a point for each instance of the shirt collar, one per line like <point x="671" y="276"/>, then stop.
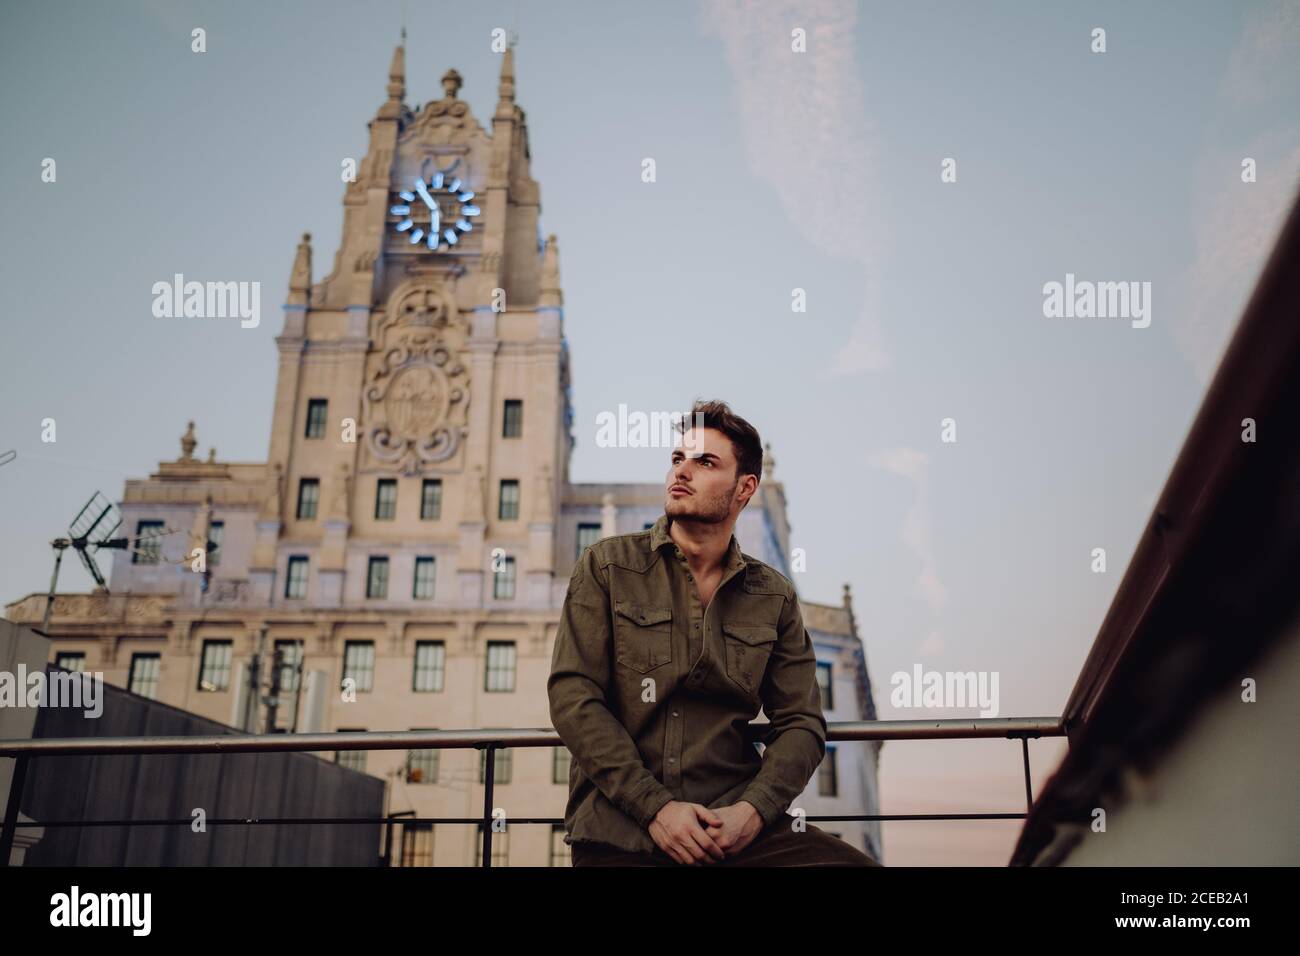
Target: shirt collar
<point x="733" y="560"/>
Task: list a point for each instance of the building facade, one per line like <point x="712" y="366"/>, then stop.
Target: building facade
<point x="407" y="544"/>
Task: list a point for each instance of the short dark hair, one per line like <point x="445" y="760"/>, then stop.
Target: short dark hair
<point x="745" y="442"/>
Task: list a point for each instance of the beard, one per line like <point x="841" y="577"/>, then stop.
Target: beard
<point x="713" y="509"/>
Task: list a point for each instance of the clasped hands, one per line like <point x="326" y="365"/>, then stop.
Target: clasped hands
<point x="691" y="833"/>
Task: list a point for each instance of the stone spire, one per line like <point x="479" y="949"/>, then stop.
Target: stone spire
<point x="506" y="87"/>
<point x="300" y="277"/>
<point x="392" y="107"/>
<point x="551" y="295"/>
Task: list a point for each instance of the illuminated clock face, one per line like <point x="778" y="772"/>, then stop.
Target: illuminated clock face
<point x="446" y="205"/>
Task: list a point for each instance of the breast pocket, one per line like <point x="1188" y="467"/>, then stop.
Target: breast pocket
<point x="643" y="635"/>
<point x="748" y="648"/>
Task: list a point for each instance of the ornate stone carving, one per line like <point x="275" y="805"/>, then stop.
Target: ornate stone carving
<point x="188" y="441"/>
<point x="416" y="400"/>
<point x="445" y="122"/>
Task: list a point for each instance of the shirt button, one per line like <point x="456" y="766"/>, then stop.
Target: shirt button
<point x="674" y="713"/>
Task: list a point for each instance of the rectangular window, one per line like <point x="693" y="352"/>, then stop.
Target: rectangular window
<point x="214" y="671"/>
<point x="501" y="766"/>
<point x="359" y="663"/>
<point x="424" y="579"/>
<point x="508" y="507"/>
<point x="561" y="853"/>
<point x="71" y="660"/>
<point x="417" y="844"/>
<point x="827" y="785"/>
<point x="308" y="498"/>
<point x="216" y="531"/>
<point x="431" y="499"/>
<point x="500" y="675"/>
<point x="316" y="410"/>
<point x="503" y="581"/>
<point x="144" y="675"/>
<point x="148" y="542"/>
<point x="386" y="499"/>
<point x="295" y="581"/>
<point x="500" y="845"/>
<point x="588" y="534"/>
<point x="377" y="578"/>
<point x="560" y="760"/>
<point x="290" y="660"/>
<point x="430" y="657"/>
<point x="422" y="765"/>
<point x="352" y="759"/>
<point x="513" y="424"/>
<point x="824" y="686"/>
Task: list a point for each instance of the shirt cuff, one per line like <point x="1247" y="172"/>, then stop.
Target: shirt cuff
<point x="648" y="804"/>
<point x="767" y="808"/>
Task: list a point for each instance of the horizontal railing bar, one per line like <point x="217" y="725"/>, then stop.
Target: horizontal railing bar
<point x="237" y="821"/>
<point x="1005" y="727"/>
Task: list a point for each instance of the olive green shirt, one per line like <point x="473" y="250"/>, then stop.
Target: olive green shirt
<point x="651" y="692"/>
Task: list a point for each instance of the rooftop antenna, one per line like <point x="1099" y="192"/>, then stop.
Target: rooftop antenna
<point x="90" y="530"/>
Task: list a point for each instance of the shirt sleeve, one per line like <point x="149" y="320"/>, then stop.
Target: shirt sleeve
<point x="795" y="738"/>
<point x="577" y="687"/>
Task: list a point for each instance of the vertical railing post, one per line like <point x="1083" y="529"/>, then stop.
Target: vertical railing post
<point x="489" y="777"/>
<point x="1029" y="792"/>
<point x="11" y="809"/>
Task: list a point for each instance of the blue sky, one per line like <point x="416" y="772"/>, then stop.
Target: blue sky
<point x="776" y="171"/>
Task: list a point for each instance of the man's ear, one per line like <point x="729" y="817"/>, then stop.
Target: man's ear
<point x="751" y="494"/>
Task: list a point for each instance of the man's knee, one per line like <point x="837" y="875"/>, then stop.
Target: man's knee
<point x="836" y="852"/>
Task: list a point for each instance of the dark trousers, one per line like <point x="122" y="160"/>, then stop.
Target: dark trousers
<point x="777" y="845"/>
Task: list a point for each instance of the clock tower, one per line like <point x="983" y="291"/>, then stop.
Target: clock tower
<point x="422" y="405"/>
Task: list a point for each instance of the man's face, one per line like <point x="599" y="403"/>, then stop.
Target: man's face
<point x="702" y="484"/>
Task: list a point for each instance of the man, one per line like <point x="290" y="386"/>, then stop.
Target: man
<point x="669" y="642"/>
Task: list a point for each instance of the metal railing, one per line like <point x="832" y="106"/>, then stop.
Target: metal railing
<point x="23" y="751"/>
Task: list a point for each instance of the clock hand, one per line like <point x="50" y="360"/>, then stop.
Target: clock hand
<point x="424" y="194"/>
